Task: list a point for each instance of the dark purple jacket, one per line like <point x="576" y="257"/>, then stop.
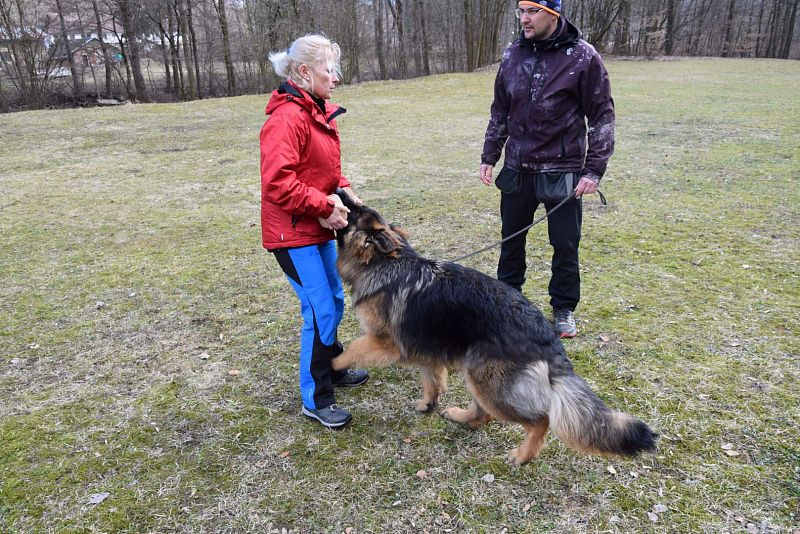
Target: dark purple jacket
<point x="544" y="95"/>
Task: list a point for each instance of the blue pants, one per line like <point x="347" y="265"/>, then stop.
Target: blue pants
<point x="312" y="273"/>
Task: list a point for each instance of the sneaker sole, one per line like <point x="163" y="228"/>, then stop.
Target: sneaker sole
<point x="350" y="384"/>
<point x="569" y="335"/>
<point x="323" y="423"/>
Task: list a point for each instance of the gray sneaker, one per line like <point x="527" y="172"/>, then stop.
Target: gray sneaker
<point x="330" y="417"/>
<point x="564" y="322"/>
<point x="351" y="378"/>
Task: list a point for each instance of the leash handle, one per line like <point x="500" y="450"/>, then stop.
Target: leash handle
<point x="534" y="223"/>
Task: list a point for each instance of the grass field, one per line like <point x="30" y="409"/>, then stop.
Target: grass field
<point x="132" y="282"/>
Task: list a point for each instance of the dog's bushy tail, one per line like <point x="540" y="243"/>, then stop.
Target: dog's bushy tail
<point x="580" y="419"/>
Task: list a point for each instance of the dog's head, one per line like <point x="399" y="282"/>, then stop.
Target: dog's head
<point x="367" y="235"/>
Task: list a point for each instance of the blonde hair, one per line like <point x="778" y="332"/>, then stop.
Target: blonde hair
<point x="311" y="50"/>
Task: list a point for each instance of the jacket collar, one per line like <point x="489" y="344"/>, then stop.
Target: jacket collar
<point x="293" y="93"/>
<point x="566" y="34"/>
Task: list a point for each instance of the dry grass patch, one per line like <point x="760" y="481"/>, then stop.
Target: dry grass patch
<point x="132" y="282"/>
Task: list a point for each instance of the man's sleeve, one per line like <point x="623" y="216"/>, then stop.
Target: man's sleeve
<point x="497" y="129"/>
<point x="598" y="106"/>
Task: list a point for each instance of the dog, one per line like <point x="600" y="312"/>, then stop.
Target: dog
<point x="439" y="315"/>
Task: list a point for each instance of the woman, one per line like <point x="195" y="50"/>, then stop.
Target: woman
<point x="300" y="170"/>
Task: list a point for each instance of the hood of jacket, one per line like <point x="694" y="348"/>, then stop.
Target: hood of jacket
<point x="566" y="34"/>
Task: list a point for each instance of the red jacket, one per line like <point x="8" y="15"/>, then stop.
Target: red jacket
<point x="300" y="166"/>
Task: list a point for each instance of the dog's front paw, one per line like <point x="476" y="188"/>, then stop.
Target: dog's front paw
<point x="337" y="364"/>
<point x="422" y="406"/>
<point x="515" y="457"/>
<point x="452" y="414"/>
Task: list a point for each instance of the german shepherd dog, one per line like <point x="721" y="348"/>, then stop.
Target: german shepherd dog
<point x="438" y="315"/>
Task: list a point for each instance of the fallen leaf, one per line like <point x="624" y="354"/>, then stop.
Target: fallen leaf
<point x="735" y="344"/>
<point x="604" y="338"/>
<point x="99" y="304"/>
<point x="752" y="528"/>
<point x="406" y="440"/>
<point x="421" y="474"/>
<point x="739" y="519"/>
<point x="284" y="454"/>
<point x="97" y="498"/>
<point x="660" y="509"/>
<point x="634" y="474"/>
<point x="488" y="478"/>
<point x="33" y="346"/>
<point x="234" y="372"/>
<point x="611" y="470"/>
<point x="614" y="519"/>
<point x="733" y="453"/>
<point x="526" y="508"/>
<point x="727" y="446"/>
<point x="653" y="517"/>
<point x="205" y="356"/>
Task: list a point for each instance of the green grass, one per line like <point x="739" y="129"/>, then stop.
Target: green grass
<point x="132" y="280"/>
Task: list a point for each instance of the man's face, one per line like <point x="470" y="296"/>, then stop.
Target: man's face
<point x="537" y="24"/>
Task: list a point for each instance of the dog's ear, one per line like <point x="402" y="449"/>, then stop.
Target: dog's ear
<point x="383" y="243"/>
<point x="399" y="231"/>
<point x="347" y="200"/>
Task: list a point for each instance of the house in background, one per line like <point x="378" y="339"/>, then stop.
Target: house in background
<point x="86" y="53"/>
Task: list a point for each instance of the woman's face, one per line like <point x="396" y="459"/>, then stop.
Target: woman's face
<point x="323" y="79"/>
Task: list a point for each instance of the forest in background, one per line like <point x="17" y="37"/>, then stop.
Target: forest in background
<point x="76" y="52"/>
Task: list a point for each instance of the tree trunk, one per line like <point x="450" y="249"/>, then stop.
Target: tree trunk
<point x="126" y="17"/>
<point x="103" y="46"/>
<point x="174" y="50"/>
<point x="727" y="45"/>
<point x="469" y="35"/>
<point x="230" y="75"/>
<point x="397" y="14"/>
<point x="377" y="6"/>
<point x="76" y="81"/>
<point x="195" y="57"/>
<point x="759" y="28"/>
<point x="669" y="35"/>
<point x="183" y="34"/>
<point x="622" y="38"/>
<point x="426" y="47"/>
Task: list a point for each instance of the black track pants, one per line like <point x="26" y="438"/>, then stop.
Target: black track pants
<point x="564" y="230"/>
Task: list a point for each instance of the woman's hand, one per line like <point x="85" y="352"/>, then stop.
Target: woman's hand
<point x="338" y="218"/>
<point x="355" y="198"/>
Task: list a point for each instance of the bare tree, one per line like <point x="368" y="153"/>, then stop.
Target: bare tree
<point x="126" y="13"/>
<point x="377" y="6"/>
<point x="76" y="81"/>
<point x="230" y="75"/>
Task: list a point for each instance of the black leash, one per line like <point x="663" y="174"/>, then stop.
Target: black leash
<point x="603" y="201"/>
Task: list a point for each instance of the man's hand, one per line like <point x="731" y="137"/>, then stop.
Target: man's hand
<point x="338" y="218"/>
<point x="585" y="186"/>
<point x="486" y="173"/>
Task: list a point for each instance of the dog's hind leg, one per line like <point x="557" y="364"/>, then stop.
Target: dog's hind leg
<point x="434" y="383"/>
<point x="367" y="351"/>
<point x="533" y="443"/>
<point x="474" y="415"/>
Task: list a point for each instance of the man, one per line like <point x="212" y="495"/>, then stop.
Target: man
<point x="551" y="83"/>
